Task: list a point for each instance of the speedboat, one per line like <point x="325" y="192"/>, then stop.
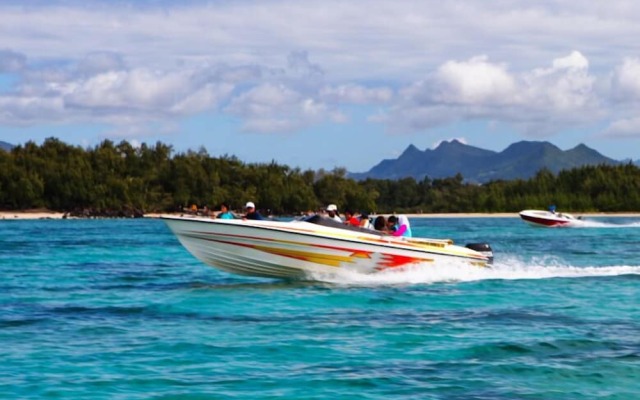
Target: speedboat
<point x="549" y="218"/>
<point x="301" y="249"/>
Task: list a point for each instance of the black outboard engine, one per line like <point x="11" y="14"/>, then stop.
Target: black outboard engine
<point x="483" y="248"/>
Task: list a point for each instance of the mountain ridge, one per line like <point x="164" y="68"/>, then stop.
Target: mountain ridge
<point x="520" y="160"/>
<point x="6" y="146"/>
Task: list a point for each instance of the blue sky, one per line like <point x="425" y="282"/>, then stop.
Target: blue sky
<point x="322" y="84"/>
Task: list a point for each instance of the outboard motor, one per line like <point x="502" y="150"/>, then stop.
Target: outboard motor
<point x="483" y="248"/>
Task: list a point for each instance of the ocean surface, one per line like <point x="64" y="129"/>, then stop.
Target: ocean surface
<point x="118" y="309"/>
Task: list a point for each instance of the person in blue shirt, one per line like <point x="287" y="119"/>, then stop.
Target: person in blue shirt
<point x="250" y="208"/>
<point x="224" y="212"/>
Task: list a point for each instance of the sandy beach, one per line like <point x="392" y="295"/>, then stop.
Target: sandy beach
<point x="43" y="214"/>
<point x="31" y="215"/>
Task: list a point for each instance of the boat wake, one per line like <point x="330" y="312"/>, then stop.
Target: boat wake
<point x="586" y="223"/>
<point x="507" y="270"/>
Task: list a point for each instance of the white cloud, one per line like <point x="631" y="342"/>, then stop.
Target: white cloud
<point x="207" y="97"/>
<point x="624" y="128"/>
<point x="575" y="60"/>
<point x="625" y="81"/>
<point x="280" y="109"/>
<point x="97" y="62"/>
<point x="565" y="87"/>
<point x="356" y="94"/>
<point x="378" y="41"/>
<point x="298" y="63"/>
<point x="260" y="100"/>
<point x="11" y="61"/>
<point x="101" y="90"/>
<point x="476" y="81"/>
<point x="539" y="102"/>
<point x="137" y="89"/>
<point x="282" y="66"/>
<point x="19" y="110"/>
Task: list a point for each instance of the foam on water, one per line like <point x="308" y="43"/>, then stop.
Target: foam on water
<point x="586" y="223"/>
<point x="508" y="269"/>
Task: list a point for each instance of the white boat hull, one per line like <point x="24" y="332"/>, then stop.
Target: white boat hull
<point x="301" y="250"/>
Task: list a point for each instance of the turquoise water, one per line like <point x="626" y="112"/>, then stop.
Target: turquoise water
<point x="117" y="309"/>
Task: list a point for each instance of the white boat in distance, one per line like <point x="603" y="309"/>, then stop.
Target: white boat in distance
<point x="549" y="218"/>
<point x="316" y="245"/>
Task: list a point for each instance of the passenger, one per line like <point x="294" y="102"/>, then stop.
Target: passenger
<point x="250" y="208"/>
<point x="351" y="219"/>
<point x="364" y="221"/>
<point x="224" y="212"/>
<point x="399" y="226"/>
<point x="380" y="224"/>
<point x="404" y="221"/>
<point x="392" y="224"/>
<point x="332" y="211"/>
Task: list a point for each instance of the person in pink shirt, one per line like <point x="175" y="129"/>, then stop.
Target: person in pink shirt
<point x="399" y="226"/>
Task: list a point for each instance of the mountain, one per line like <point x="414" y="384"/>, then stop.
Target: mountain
<point x="6" y="146"/>
<point x="631" y="161"/>
<point x="521" y="160"/>
<point x="433" y="163"/>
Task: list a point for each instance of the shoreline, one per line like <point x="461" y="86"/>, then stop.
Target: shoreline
<point x="19" y="215"/>
<point x="40" y="214"/>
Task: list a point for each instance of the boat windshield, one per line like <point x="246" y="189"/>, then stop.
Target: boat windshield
<point x="326" y="221"/>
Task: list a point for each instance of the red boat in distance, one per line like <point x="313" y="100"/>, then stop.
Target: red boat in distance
<point x="549" y="218"/>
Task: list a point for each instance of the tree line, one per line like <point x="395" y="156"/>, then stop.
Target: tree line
<point x="120" y="178"/>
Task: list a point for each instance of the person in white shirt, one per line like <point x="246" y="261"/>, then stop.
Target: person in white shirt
<point x="364" y="221"/>
<point x="332" y="211"/>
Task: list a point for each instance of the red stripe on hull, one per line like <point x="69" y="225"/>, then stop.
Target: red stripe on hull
<point x="543" y="221"/>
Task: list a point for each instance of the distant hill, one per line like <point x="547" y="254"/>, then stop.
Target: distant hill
<point x="521" y="160"/>
<point x="6" y="146"/>
<point x="632" y="161"/>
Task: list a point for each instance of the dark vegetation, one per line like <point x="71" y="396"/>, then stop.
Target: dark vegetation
<point x="120" y="180"/>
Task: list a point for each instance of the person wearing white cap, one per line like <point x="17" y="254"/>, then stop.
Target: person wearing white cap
<point x="250" y="208"/>
<point x="332" y="210"/>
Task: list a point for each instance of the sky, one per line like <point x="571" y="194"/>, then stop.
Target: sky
<point x="325" y="84"/>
